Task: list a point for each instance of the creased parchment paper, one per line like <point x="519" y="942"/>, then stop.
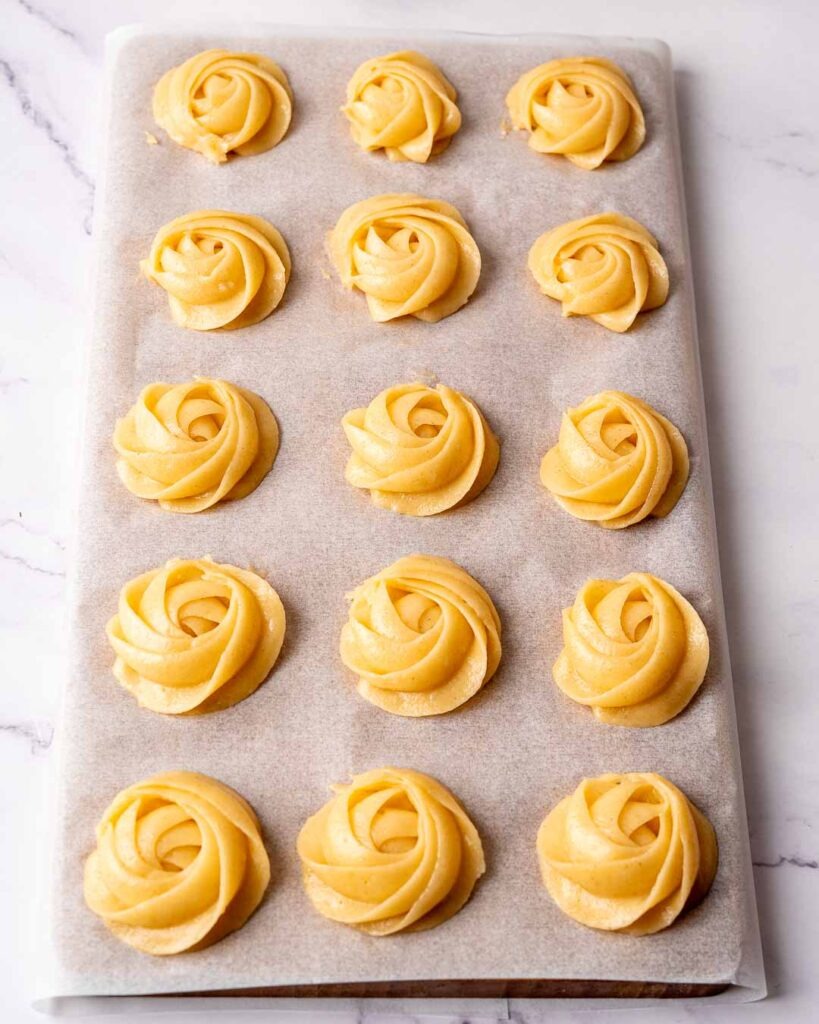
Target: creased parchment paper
<point x="519" y="746"/>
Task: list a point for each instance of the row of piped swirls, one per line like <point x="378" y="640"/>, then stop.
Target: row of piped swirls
<point x="180" y="860"/>
<point x="422" y="638"/>
<point x="220" y="103"/>
<point x="409" y="255"/>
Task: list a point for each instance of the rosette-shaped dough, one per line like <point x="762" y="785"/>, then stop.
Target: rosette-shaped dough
<point x="179" y="864"/>
<point x="189" y="446"/>
<point x="583" y="108"/>
<point x="410" y="256"/>
<point x="627" y="853"/>
<point x="616" y="461"/>
<point x="636" y="651"/>
<point x="402" y="103"/>
<point x="420" y="450"/>
<point x="194" y="636"/>
<point x="606" y="267"/>
<point x="221" y="270"/>
<point x="220" y="102"/>
<point x="392" y="851"/>
<point x="422" y="636"/>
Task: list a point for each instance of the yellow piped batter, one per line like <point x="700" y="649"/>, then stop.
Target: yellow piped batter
<point x="635" y="650"/>
<point x="411" y="256"/>
<point x="422" y="636"/>
<point x="606" y="267"/>
<point x="627" y="853"/>
<point x="392" y="851"/>
<point x="189" y="446"/>
<point x="220" y="270"/>
<point x="420" y="450"/>
<point x="583" y="108"/>
<point x="403" y="104"/>
<point x="616" y="462"/>
<point x="194" y="636"/>
<point x="219" y="102"/>
<point x="179" y="864"/>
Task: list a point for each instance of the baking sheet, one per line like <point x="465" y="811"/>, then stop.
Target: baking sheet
<point x="519" y="746"/>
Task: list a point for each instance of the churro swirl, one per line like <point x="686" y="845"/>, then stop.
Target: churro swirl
<point x="606" y="267"/>
<point x="616" y="462"/>
<point x="218" y="103"/>
<point x="411" y="256"/>
<point x="627" y="853"/>
<point x="221" y="270"/>
<point x="422" y="636"/>
<point x="420" y="450"/>
<point x="635" y="650"/>
<point x="392" y="851"/>
<point x="403" y="104"/>
<point x="189" y="446"/>
<point x="194" y="636"/>
<point x="583" y="108"/>
<point x="179" y="863"/>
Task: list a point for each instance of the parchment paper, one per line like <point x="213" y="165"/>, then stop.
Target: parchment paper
<point x="520" y="745"/>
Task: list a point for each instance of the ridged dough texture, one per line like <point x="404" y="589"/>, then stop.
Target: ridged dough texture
<point x="411" y="256"/>
<point x="392" y="851"/>
<point x="422" y="636"/>
<point x="627" y="853"/>
<point x="189" y="446"/>
<point x="194" y="636"/>
<point x="616" y="461"/>
<point x="220" y="270"/>
<point x="420" y="450"/>
<point x="219" y="103"/>
<point x="403" y="104"/>
<point x="583" y="108"/>
<point x="635" y="650"/>
<point x="179" y="864"/>
<point x="606" y="267"/>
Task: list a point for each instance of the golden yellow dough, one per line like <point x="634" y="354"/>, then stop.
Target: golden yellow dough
<point x="402" y="103"/>
<point x="422" y="636"/>
<point x="635" y="650"/>
<point x="221" y="270"/>
<point x="627" y="853"/>
<point x="392" y="851"/>
<point x="583" y="108"/>
<point x="606" y="267"/>
<point x="410" y="256"/>
<point x="179" y="863"/>
<point x="189" y="446"/>
<point x="219" y="102"/>
<point x="194" y="636"/>
<point x="616" y="461"/>
<point x="420" y="450"/>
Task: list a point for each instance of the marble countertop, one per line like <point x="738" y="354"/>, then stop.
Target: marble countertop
<point x="747" y="81"/>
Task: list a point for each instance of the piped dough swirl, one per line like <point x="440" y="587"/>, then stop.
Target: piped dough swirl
<point x="194" y="636"/>
<point x="411" y="256"/>
<point x="403" y="104"/>
<point x="218" y="103"/>
<point x="635" y="650"/>
<point x="392" y="851"/>
<point x="583" y="108"/>
<point x="422" y="636"/>
<point x="179" y="863"/>
<point x="627" y="853"/>
<point x="606" y="267"/>
<point x="420" y="450"/>
<point x="616" y="462"/>
<point x="189" y="446"/>
<point x="220" y="270"/>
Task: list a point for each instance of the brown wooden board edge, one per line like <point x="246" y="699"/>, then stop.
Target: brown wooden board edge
<point x="484" y="988"/>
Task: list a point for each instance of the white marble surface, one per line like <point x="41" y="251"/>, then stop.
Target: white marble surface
<point x="747" y="85"/>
